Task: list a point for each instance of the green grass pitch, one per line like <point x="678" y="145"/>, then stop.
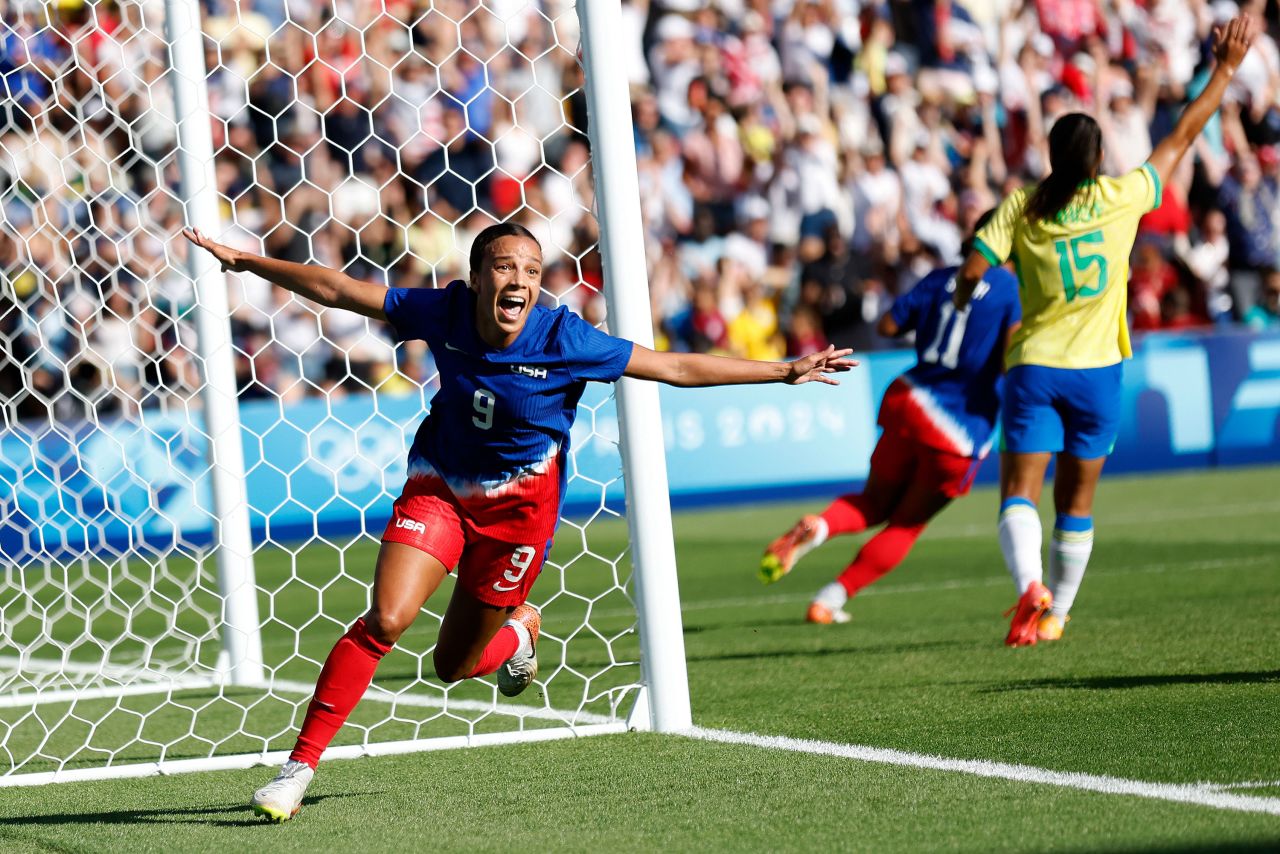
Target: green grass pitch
<point x="1169" y="673"/>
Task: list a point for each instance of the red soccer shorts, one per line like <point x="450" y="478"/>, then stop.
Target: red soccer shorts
<point x="428" y="517"/>
<point x="900" y="459"/>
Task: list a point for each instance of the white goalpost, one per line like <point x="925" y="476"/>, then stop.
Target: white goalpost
<point x="195" y="471"/>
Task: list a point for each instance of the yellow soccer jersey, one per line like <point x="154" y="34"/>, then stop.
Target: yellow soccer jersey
<point x="1073" y="271"/>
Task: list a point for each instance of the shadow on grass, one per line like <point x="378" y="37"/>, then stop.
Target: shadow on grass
<point x="1155" y="680"/>
<point x="1216" y="847"/>
<point x="849" y="649"/>
<point x="694" y="628"/>
<point x="228" y="815"/>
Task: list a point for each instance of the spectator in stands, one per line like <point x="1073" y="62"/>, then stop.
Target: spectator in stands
<point x="1251" y="204"/>
<point x="1206" y="261"/>
<point x="836" y="277"/>
<point x="824" y="152"/>
<point x="1266" y="314"/>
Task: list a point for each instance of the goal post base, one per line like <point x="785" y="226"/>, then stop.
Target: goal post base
<point x="640" y="718"/>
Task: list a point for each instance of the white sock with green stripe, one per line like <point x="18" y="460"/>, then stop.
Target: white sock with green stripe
<point x="1069" y="552"/>
<point x="1021" y="541"/>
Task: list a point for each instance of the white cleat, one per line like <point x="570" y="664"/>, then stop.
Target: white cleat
<point x="828" y="606"/>
<point x="281" y="799"/>
<point x="518" y="671"/>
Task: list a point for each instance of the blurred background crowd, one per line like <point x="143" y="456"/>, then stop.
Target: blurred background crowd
<point x="801" y="163"/>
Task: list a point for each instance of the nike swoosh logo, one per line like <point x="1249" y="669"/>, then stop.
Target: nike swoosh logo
<point x="449" y="346"/>
<point x="497" y="585"/>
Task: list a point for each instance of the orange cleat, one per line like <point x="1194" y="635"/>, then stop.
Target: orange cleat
<point x="824" y="616"/>
<point x="1050" y="627"/>
<point x="782" y="554"/>
<point x="828" y="606"/>
<point x="1026" y="614"/>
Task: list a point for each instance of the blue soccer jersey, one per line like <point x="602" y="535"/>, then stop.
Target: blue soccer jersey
<point x="957" y="379"/>
<point x="499" y="426"/>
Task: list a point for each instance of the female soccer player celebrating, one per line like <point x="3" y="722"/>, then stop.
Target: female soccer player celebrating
<point x="486" y="470"/>
<point x="1070" y="238"/>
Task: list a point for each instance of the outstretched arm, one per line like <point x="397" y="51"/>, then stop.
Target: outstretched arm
<point x="690" y="370"/>
<point x="1229" y="47"/>
<point x="321" y="284"/>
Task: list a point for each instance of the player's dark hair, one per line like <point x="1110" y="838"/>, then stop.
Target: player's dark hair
<point x="1075" y="153"/>
<point x="979" y="224"/>
<point x="496" y="232"/>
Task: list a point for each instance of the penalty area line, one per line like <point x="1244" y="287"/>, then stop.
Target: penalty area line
<point x="1197" y="794"/>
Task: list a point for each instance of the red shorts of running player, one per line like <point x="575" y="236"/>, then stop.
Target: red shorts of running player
<point x="912" y="449"/>
<point x="428" y="517"/>
<point x="900" y="459"/>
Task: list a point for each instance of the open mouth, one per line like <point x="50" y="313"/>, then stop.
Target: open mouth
<point x="510" y="307"/>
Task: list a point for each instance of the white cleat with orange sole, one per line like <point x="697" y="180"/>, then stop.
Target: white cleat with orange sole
<point x="828" y="606"/>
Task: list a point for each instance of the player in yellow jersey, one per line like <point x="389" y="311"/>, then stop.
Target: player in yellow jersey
<point x="1069" y="238"/>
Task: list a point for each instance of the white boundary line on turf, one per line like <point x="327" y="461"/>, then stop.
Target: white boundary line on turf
<point x="1198" y="794"/>
<point x="376" y="694"/>
<point x="959" y="584"/>
<point x="276" y="757"/>
<point x="1222" y="511"/>
<point x="944" y="530"/>
<point x="1252" y="784"/>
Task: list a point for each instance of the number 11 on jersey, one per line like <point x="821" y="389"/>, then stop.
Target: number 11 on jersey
<point x="953" y="337"/>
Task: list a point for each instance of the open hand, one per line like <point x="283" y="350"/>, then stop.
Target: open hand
<point x="229" y="258"/>
<point x="1231" y="43"/>
<point x="816" y="366"/>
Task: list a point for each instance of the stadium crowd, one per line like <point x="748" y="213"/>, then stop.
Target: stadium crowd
<point x="801" y="162"/>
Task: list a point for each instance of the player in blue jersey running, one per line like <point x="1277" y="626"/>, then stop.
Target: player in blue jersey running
<point x="486" y="469"/>
<point x="937" y="419"/>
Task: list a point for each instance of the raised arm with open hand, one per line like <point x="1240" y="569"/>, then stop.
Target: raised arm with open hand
<point x="321" y="284"/>
<point x="699" y="369"/>
<point x="1230" y="45"/>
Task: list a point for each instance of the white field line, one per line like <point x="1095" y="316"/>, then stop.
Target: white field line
<point x="1196" y="793"/>
<point x="947" y="531"/>
<point x="77" y="695"/>
<point x="139" y="682"/>
<point x="274" y="758"/>
<point x="959" y="584"/>
<point x="381" y="695"/>
<point x="1252" y="784"/>
<point x="1173" y="514"/>
<point x="130" y="681"/>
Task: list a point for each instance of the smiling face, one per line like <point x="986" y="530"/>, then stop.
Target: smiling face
<point x="507" y="284"/>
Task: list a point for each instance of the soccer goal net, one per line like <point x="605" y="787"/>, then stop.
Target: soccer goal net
<point x="195" y="469"/>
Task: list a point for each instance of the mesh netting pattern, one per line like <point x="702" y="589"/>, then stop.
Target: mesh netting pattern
<point x="376" y="140"/>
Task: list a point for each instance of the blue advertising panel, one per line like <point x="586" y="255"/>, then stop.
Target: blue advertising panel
<point x="317" y="468"/>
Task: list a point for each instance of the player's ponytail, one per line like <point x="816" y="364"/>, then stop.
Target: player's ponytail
<point x="496" y="232"/>
<point x="1075" y="153"/>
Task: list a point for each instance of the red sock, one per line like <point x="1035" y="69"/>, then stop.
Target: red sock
<point x="503" y="646"/>
<point x="880" y="554"/>
<point x="343" y="680"/>
<point x="850" y="514"/>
